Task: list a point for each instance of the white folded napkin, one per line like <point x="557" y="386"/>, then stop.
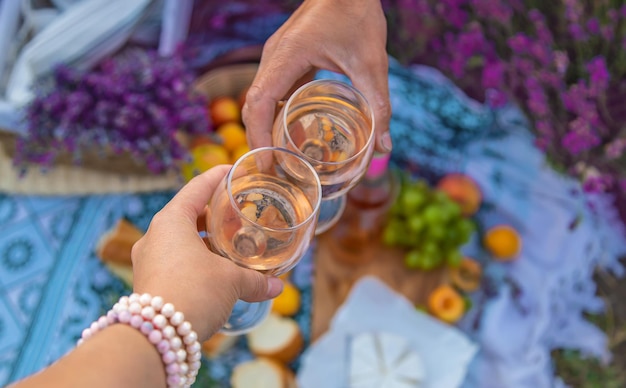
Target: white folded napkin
<point x="373" y="306"/>
<point x="81" y="36"/>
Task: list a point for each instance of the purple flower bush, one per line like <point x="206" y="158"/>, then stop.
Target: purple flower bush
<point x="136" y="103"/>
<point x="563" y="62"/>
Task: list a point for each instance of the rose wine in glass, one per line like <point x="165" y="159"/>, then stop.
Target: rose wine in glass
<point x="263" y="217"/>
<point x="331" y="125"/>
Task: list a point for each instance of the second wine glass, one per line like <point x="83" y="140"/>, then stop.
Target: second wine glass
<point x="331" y="125"/>
<point x="263" y="217"/>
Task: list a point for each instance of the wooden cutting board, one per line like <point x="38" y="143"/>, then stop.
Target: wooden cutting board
<point x="332" y="279"/>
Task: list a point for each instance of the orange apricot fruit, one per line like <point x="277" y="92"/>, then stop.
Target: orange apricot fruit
<point x="446" y="303"/>
<point x="467" y="275"/>
<point x="224" y="109"/>
<point x="232" y="135"/>
<point x="463" y="190"/>
<point x="503" y="242"/>
<point x="204" y="157"/>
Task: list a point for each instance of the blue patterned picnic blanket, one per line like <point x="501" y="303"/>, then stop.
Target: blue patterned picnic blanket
<point x="52" y="285"/>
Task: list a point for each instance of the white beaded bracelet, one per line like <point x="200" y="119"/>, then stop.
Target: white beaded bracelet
<point x="164" y="327"/>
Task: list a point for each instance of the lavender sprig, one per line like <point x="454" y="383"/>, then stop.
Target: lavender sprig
<point x="135" y="103"/>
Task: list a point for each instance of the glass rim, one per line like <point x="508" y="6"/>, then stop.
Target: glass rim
<point x="356" y="91"/>
<point x="314" y="209"/>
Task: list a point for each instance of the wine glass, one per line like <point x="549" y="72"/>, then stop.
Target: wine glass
<point x="263" y="216"/>
<point x="331" y="125"/>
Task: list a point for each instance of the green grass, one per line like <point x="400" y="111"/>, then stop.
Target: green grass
<point x="581" y="372"/>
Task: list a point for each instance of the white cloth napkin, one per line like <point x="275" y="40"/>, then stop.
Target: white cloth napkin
<point x="82" y="35"/>
<point x="373" y="306"/>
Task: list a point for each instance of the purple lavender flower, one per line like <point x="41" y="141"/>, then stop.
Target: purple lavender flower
<point x="492" y="10"/>
<point x="575" y="98"/>
<point x="541" y="53"/>
<point x="580" y="138"/>
<point x="593" y="25"/>
<point x="563" y="63"/>
<point x="598" y="75"/>
<point x="455" y="15"/>
<point x="117" y="106"/>
<point x="607" y="32"/>
<point x="577" y="32"/>
<point x="519" y="43"/>
<point x="598" y="183"/>
<point x="537" y="101"/>
<point x="493" y="74"/>
<point x="573" y="11"/>
<point x="469" y="43"/>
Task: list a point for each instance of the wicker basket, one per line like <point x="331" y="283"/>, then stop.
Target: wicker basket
<point x="226" y="81"/>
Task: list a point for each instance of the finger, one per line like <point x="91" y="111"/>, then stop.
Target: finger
<point x="201" y="221"/>
<point x="194" y="196"/>
<point x="373" y="82"/>
<point x="256" y="287"/>
<point x="273" y="82"/>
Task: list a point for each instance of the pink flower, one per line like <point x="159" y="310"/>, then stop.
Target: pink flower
<point x="616" y="148"/>
<point x="561" y="61"/>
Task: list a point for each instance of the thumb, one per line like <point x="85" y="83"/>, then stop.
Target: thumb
<point x="256" y="287"/>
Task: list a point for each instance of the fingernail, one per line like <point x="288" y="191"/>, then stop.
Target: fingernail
<point x="385" y="141"/>
<point x="274" y="286"/>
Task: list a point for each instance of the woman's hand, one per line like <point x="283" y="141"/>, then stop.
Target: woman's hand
<point x="342" y="36"/>
<point x="174" y="262"/>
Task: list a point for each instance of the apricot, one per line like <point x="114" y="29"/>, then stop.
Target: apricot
<point x="445" y="303"/>
<point x="232" y="135"/>
<point x="204" y="157"/>
<point x="224" y="109"/>
<point x="463" y="190"/>
<point x="503" y="242"/>
<point x="467" y="275"/>
<point x="289" y="301"/>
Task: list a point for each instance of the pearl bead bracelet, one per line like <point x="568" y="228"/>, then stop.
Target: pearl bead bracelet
<point x="164" y="327"/>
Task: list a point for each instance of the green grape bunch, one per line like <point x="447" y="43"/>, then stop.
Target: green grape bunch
<point x="428" y="224"/>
